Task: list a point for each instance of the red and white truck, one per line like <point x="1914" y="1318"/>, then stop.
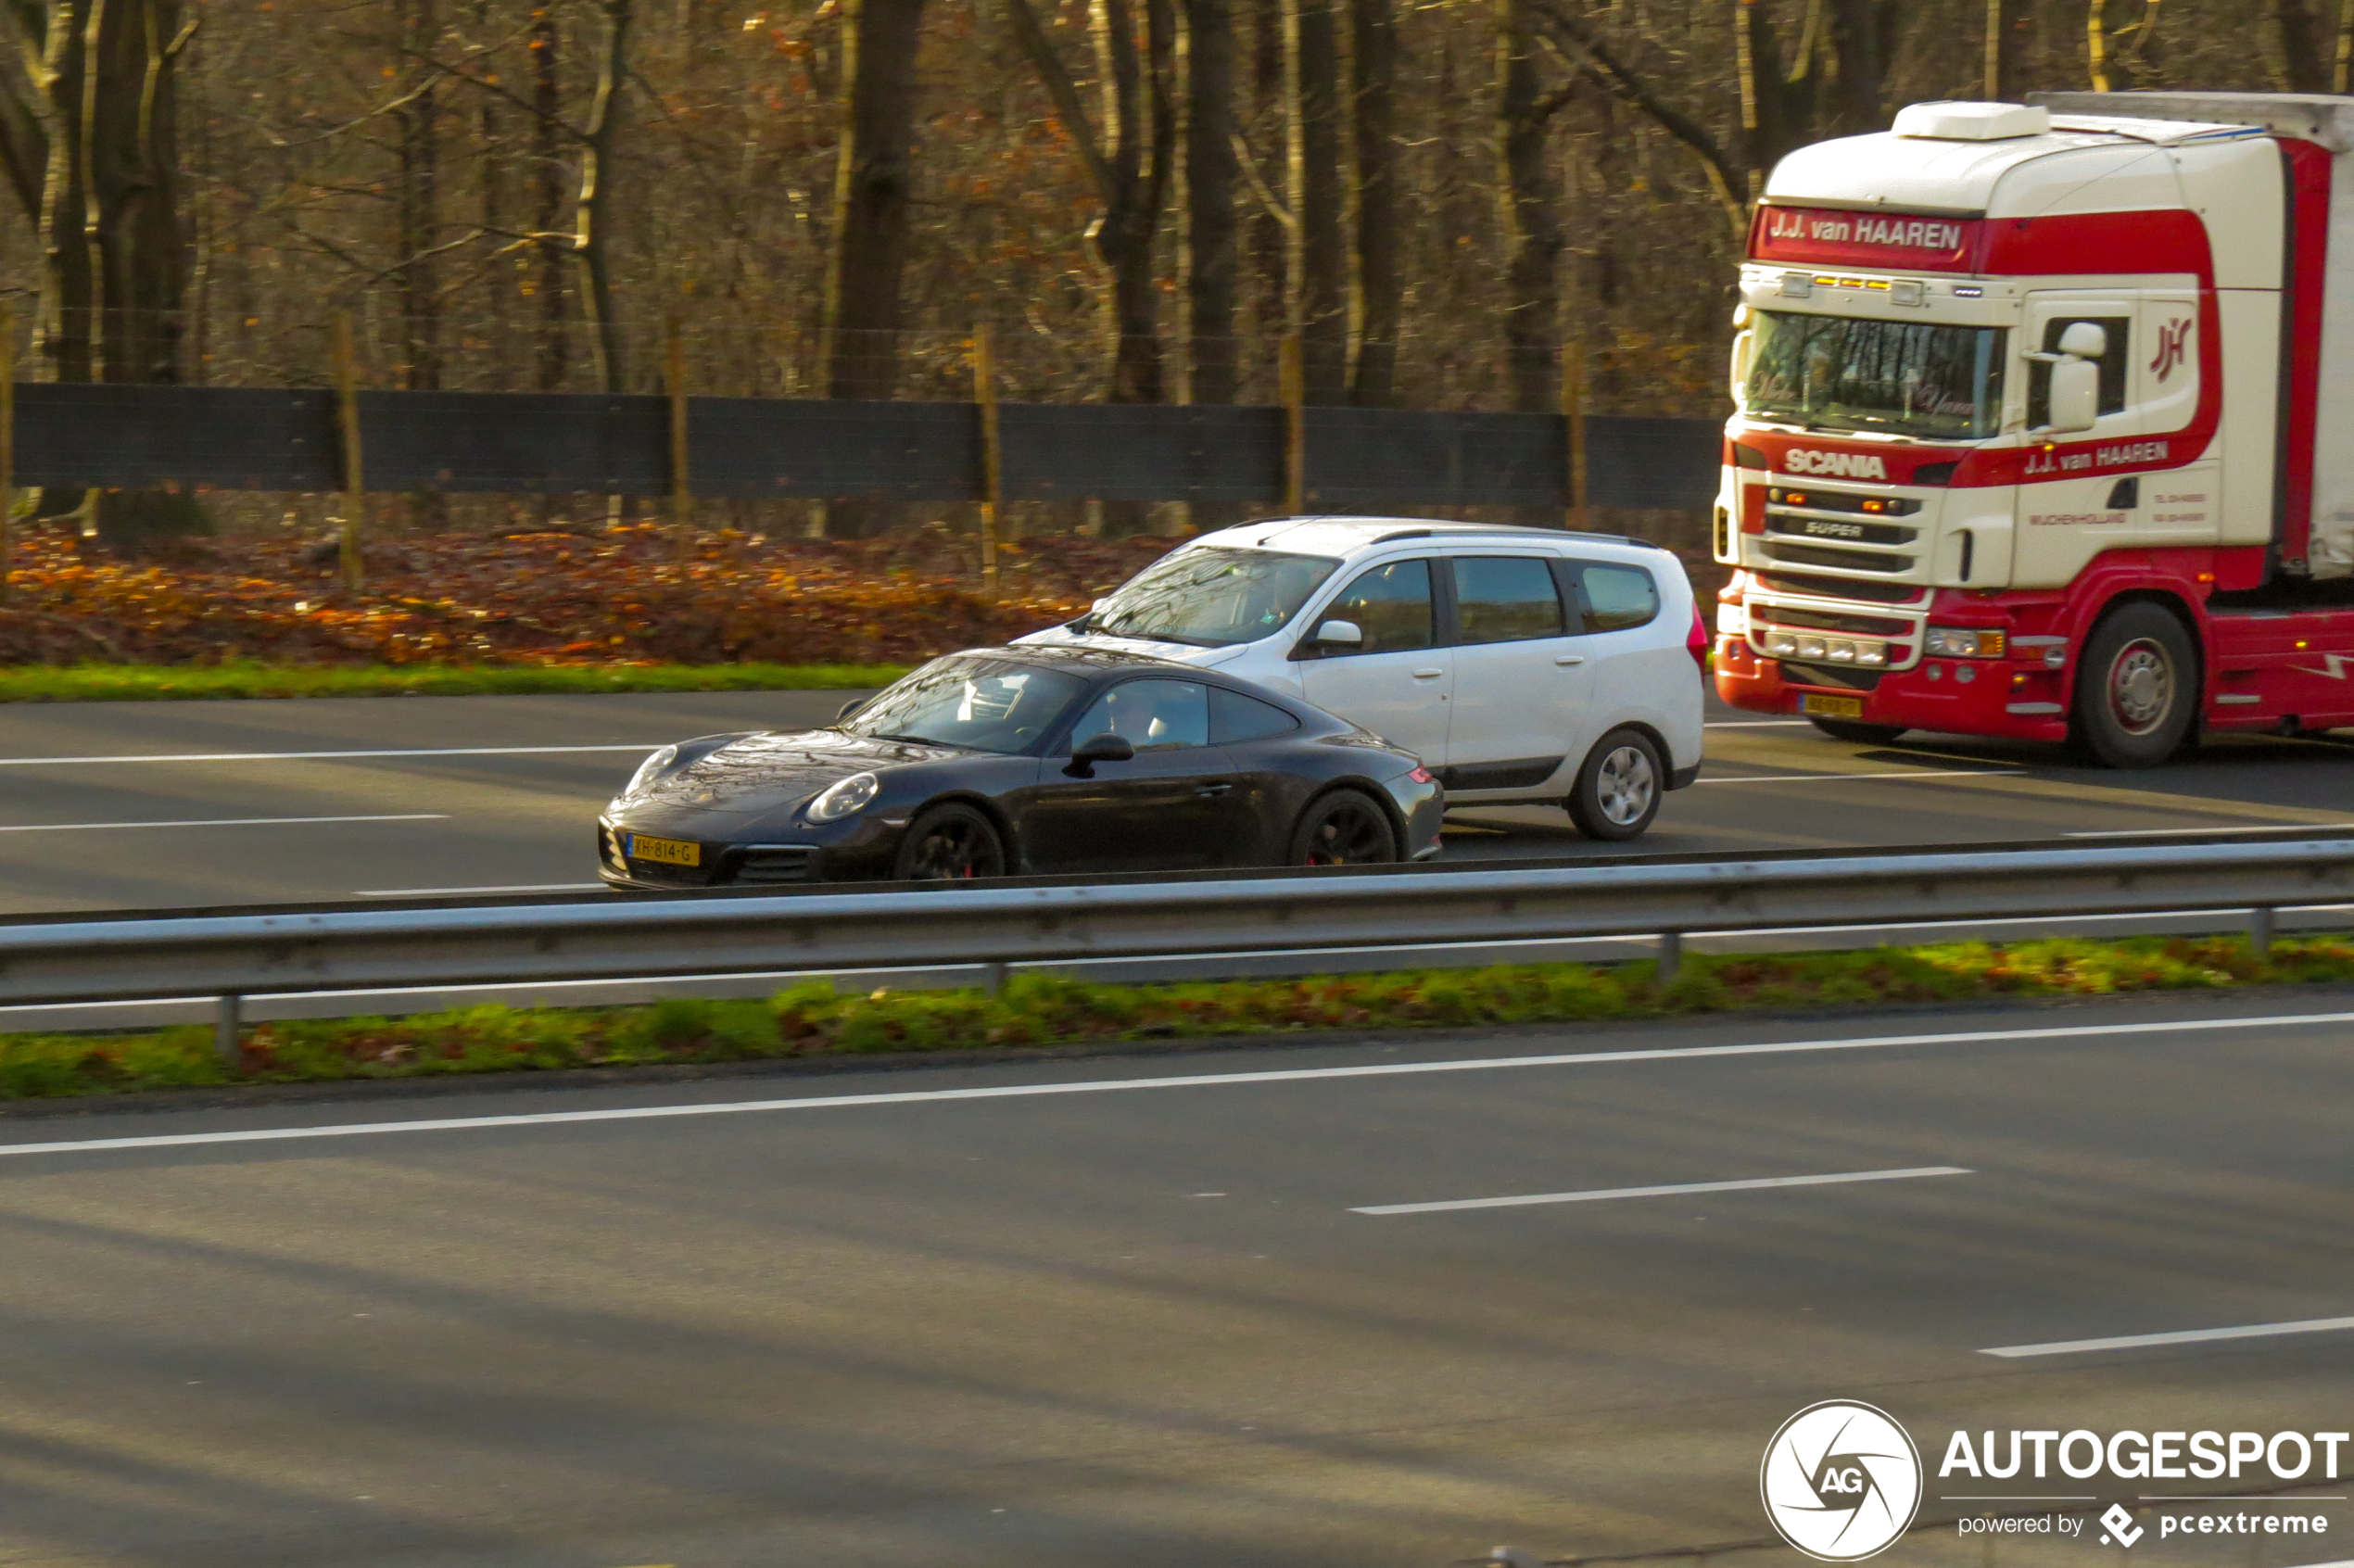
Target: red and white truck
<point x="2045" y="425"/>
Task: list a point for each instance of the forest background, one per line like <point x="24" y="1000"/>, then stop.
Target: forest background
<point x="1448" y="203"/>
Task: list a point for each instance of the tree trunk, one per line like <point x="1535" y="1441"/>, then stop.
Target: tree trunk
<point x="93" y="155"/>
<point x="1321" y="309"/>
<point x="2306" y="47"/>
<point x="1532" y="307"/>
<point x="548" y="194"/>
<point x="2004" y="75"/>
<point x="592" y="244"/>
<point x="1862" y="37"/>
<point x="872" y="189"/>
<point x="1373" y="73"/>
<point x="1267" y="240"/>
<point x="417" y="274"/>
<point x="1209" y="200"/>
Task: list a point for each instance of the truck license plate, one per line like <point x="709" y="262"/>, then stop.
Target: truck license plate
<point x="1828" y="707"/>
<point x="669" y="851"/>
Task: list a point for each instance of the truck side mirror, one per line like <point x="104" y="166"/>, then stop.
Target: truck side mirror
<point x="1744" y="353"/>
<point x="2075" y="391"/>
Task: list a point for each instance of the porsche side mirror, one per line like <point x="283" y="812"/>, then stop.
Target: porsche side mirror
<point x="842" y="716"/>
<point x="1104" y="748"/>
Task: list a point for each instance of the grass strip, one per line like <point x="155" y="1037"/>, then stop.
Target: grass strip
<point x="1034" y="1009"/>
<point x="141" y="683"/>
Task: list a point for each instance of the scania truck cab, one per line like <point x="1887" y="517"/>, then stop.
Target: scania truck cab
<point x="2045" y="425"/>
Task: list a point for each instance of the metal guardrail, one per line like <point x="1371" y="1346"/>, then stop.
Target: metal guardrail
<point x="101" y="959"/>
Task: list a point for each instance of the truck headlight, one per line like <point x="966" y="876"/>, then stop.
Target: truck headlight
<point x="1964" y="642"/>
<point x="1732" y="620"/>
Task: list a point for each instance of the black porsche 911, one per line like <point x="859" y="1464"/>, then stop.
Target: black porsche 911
<point x="1025" y="761"/>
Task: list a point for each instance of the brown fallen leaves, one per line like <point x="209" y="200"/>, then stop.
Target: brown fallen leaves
<point x="629" y="594"/>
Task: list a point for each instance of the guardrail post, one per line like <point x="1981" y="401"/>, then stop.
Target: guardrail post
<point x="2260" y="931"/>
<point x="228" y="1028"/>
<point x="992" y="979"/>
<point x="1671" y="955"/>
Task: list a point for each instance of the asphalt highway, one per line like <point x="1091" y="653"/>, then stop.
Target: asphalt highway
<point x="163" y="804"/>
<point x="1230" y="1308"/>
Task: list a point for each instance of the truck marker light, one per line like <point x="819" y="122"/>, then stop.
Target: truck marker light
<point x="1963" y="291"/>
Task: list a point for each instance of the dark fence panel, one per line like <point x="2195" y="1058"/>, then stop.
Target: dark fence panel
<point x="792" y="446"/>
<point x="516" y="442"/>
<point x="229" y="437"/>
<point x="1366" y="458"/>
<point x="553" y="442"/>
<point x="1653" y="462"/>
<point x="1142" y="452"/>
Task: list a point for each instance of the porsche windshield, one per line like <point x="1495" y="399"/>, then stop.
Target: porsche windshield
<point x="1214" y="598"/>
<point x="983" y="704"/>
<point x="1907" y="378"/>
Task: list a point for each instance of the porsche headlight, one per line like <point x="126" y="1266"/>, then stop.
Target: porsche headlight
<point x="846" y="798"/>
<point x="653" y="767"/>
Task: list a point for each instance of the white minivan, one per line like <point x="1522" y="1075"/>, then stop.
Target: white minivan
<point x="1524" y="665"/>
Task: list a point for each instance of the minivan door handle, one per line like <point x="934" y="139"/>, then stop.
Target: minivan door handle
<point x="1568" y="659"/>
<point x="1428" y="675"/>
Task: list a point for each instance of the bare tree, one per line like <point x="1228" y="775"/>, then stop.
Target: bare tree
<point x="873" y="186"/>
<point x="593" y="245"/>
<point x="1532" y="306"/>
<point x="1210" y="174"/>
<point x="1372" y="60"/>
<point x="1129" y="164"/>
<point x="548" y="139"/>
<point x="1316" y="192"/>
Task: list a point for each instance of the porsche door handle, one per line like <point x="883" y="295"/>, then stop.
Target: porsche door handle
<point x="1212" y="790"/>
<point x="1428" y="675"/>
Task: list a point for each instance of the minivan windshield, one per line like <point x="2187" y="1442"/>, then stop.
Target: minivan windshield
<point x="1213" y="597"/>
<point x="1907" y="378"/>
<point x="985" y="704"/>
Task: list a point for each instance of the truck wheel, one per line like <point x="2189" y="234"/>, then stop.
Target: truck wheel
<point x="1861" y="734"/>
<point x="1618" y="791"/>
<point x="2136" y="689"/>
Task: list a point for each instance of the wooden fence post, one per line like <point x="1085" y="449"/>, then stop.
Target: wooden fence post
<point x="993" y="454"/>
<point x="8" y="443"/>
<point x="355" y="487"/>
<point x="674" y="377"/>
<point x="1573" y="412"/>
<point x="1294" y="381"/>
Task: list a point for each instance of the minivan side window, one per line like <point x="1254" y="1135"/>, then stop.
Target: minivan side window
<point x="1616" y="598"/>
<point x="1391" y="605"/>
<point x="1505" y="599"/>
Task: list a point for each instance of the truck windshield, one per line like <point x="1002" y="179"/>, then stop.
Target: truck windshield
<point x="1214" y="597"/>
<point x="1909" y="378"/>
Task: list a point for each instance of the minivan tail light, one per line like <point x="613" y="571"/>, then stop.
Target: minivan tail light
<point x="1696" y="641"/>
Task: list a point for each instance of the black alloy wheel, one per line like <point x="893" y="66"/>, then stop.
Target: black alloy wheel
<point x="1858" y="733"/>
<point x="1618" y="791"/>
<point x="1346" y="828"/>
<point x="2137" y="686"/>
<point x="951" y="844"/>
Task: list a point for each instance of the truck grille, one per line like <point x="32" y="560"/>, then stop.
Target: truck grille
<point x="1838" y="528"/>
<point x="1845" y="560"/>
<point x="1840" y="588"/>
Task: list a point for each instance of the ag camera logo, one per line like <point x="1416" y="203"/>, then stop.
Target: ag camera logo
<point x="1841" y="1481"/>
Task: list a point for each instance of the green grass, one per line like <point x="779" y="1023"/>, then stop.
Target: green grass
<point x="813" y="1020"/>
<point x="117" y="683"/>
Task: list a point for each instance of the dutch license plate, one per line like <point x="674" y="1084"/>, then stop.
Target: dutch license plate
<point x="1828" y="707"/>
<point x="668" y="851"/>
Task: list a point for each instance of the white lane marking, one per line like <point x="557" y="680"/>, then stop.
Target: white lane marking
<point x="445" y="892"/>
<point x="2185" y="1336"/>
<point x="1833" y="777"/>
<point x="2163" y="832"/>
<point x="219" y="822"/>
<point x="297" y="756"/>
<point x="1196" y="1080"/>
<point x="1599" y="1195"/>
